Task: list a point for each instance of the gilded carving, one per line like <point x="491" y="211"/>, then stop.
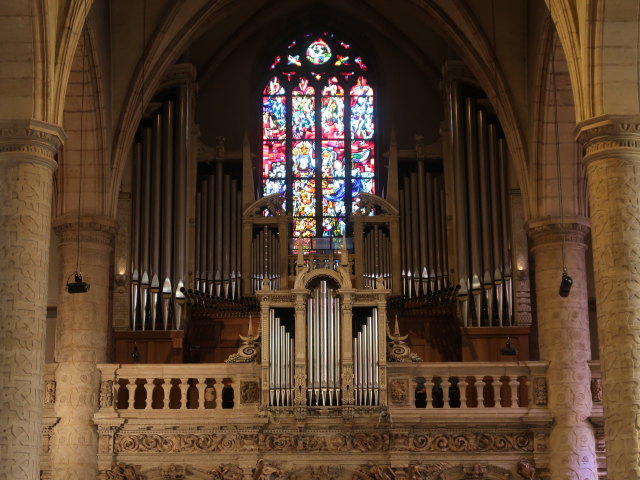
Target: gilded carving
<point x="122" y="471"/>
<point x="249" y="392"/>
<point x="50" y="392"/>
<point x="106" y="393"/>
<point x="526" y="469"/>
<point x="540" y="391"/>
<point x="398" y="390"/>
<point x="226" y="471"/>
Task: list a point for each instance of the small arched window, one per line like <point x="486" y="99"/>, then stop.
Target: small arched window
<point x="318" y="136"/>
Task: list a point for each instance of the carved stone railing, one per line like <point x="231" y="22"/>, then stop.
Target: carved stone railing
<point x="158" y="389"/>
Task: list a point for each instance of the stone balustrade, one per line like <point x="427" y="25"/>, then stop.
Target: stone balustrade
<point x="218" y="388"/>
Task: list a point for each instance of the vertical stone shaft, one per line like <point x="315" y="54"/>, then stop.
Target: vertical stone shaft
<point x="563" y="325"/>
<point x="81" y="339"/>
<point x="26" y="168"/>
<point x="612" y="154"/>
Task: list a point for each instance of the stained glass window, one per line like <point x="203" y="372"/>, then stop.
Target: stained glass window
<point x="318" y="135"/>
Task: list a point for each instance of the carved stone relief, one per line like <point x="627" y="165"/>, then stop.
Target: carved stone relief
<point x="398" y="390"/>
<point x="540" y="391"/>
<point x="106" y="393"/>
<point x="249" y="392"/>
<point x="50" y="392"/>
<point x="122" y="471"/>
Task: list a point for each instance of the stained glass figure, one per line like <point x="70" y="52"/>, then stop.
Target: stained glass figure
<point x="304" y="197"/>
<point x="304" y="227"/>
<point x="362" y="159"/>
<point x="304" y="159"/>
<point x="318" y="52"/>
<point x="333" y="227"/>
<point x="333" y="158"/>
<point x="274" y="159"/>
<point x="362" y="110"/>
<point x="273" y="117"/>
<point x="333" y="190"/>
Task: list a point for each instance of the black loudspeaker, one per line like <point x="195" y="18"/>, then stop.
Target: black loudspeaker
<point x="78" y="286"/>
<point x="565" y="285"/>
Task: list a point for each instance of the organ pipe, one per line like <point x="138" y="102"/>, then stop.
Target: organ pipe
<point x="366" y="358"/>
<point x="159" y="216"/>
<point x="482" y="218"/>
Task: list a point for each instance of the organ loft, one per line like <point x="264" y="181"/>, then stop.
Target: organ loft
<point x="276" y="240"/>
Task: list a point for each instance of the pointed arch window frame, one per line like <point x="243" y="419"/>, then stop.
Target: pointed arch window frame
<point x="279" y="146"/>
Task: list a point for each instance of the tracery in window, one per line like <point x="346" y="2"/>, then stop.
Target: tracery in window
<point x="318" y="136"/>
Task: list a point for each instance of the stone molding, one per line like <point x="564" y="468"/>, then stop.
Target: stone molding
<point x="544" y="232"/>
<point x="600" y="135"/>
<point x="35" y="140"/>
<point x="361" y="441"/>
<point x="93" y="229"/>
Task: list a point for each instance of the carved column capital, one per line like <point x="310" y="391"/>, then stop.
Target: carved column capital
<point x="550" y="230"/>
<point x="603" y="135"/>
<point x="31" y="139"/>
<point x="92" y="229"/>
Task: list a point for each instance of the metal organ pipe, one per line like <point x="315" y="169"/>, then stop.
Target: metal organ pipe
<point x="408" y="240"/>
<point x="156" y="187"/>
<point x="211" y="248"/>
<point x="218" y="228"/>
<point x="226" y="238"/>
<point x="135" y="241"/>
<point x="167" y="203"/>
<point x="144" y="221"/>
<point x="496" y="228"/>
<point x="415" y="221"/>
<point x="430" y="221"/>
<point x="422" y="225"/>
<point x="485" y="207"/>
<point x="233" y="239"/>
<point x="506" y="240"/>
<point x="159" y="217"/>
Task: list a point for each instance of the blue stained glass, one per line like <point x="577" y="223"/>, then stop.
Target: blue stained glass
<point x="318" y="52"/>
<point x="304" y="197"/>
<point x="273" y="159"/>
<point x="333" y="190"/>
<point x="304" y="159"/>
<point x="333" y="227"/>
<point x="361" y="111"/>
<point x="273" y="117"/>
<point x="303" y="117"/>
<point x="333" y="158"/>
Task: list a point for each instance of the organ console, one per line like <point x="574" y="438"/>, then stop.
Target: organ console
<point x="436" y="251"/>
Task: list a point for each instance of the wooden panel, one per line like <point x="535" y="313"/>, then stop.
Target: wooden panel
<point x="154" y="346"/>
<point x="483" y="344"/>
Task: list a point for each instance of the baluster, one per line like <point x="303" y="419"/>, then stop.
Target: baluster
<point x="480" y="390"/>
<point x="166" y="388"/>
<point x="116" y="392"/>
<point x="497" y="393"/>
<point x="202" y="387"/>
<point x="462" y="386"/>
<point x="428" y="386"/>
<point x="184" y="387"/>
<point x="218" y="386"/>
<point x="149" y="389"/>
<point x="445" y="384"/>
<point x="131" y="388"/>
<point x="513" y="388"/>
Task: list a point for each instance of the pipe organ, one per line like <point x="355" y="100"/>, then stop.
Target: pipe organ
<point x="159" y="214"/>
<point x="242" y="251"/>
<point x="265" y="259"/>
<point x="377" y="257"/>
<point x="423" y="249"/>
<point x="218" y="225"/>
<point x="366" y="381"/>
<point x="281" y="356"/>
<point x="323" y="346"/>
<point x="482" y="211"/>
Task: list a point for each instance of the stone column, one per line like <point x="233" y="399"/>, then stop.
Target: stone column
<point x="563" y="329"/>
<point x="27" y="162"/>
<point x="612" y="155"/>
<point x="81" y="340"/>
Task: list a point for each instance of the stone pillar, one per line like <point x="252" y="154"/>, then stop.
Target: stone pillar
<point x="27" y="151"/>
<point x="612" y="155"/>
<point x="81" y="340"/>
<point x="563" y="326"/>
